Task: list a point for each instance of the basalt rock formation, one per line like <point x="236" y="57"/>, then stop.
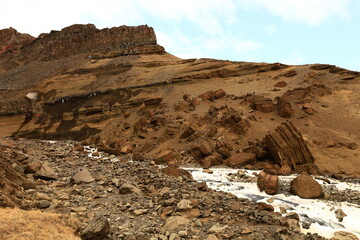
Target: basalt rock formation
<point x="118" y="89"/>
<point x="11" y="40"/>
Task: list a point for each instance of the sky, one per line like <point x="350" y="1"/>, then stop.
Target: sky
<point x="286" y="31"/>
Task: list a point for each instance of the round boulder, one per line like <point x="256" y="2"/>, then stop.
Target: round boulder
<point x="305" y="186"/>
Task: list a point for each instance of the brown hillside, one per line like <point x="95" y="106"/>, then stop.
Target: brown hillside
<point x="117" y="88"/>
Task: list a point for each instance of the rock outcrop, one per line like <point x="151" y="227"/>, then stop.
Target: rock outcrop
<point x="11" y="40"/>
<point x="79" y="39"/>
<point x="288" y="148"/>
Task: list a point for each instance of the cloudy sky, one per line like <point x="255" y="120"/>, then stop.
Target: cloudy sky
<point x="287" y="31"/>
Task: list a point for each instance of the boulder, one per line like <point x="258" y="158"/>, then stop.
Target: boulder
<point x="241" y="159"/>
<point x="305" y="186"/>
<point x="97" y="229"/>
<point x="128" y="188"/>
<point x="138" y="157"/>
<point x="175" y="223"/>
<point x="82" y="176"/>
<point x="33" y="167"/>
<point x="207" y="96"/>
<point x="342" y="235"/>
<point x="268" y="183"/>
<point x="219" y="94"/>
<point x="173" y="170"/>
<point x="165" y="157"/>
<point x="46" y="172"/>
<point x="284" y="108"/>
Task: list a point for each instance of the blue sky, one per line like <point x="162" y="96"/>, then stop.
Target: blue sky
<point x="287" y="31"/>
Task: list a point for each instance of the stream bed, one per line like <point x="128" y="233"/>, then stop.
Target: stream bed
<point x="317" y="214"/>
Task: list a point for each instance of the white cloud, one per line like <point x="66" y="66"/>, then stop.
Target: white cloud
<point x="271" y="29"/>
<point x="312" y="12"/>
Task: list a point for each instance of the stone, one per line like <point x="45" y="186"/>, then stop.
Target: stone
<point x="217" y="228"/>
<point x="183" y="106"/>
<point x="46" y="172"/>
<point x="42" y="196"/>
<point x="196" y="102"/>
<point x="342" y="235"/>
<point x="211" y="237"/>
<point x="126" y="149"/>
<point x="280" y="84"/>
<point x="165" y="157"/>
<point x="205" y="148"/>
<point x="293" y="215"/>
<point x="173" y="170"/>
<point x="284" y="108"/>
<point x="42" y="204"/>
<point x="82" y="176"/>
<point x="33" y="167"/>
<point x="339" y="213"/>
<point x="285" y="170"/>
<point x="265" y="207"/>
<point x="262" y="104"/>
<point x="174" y="236"/>
<point x="219" y="94"/>
<point x="97" y="229"/>
<point x="207" y="96"/>
<point x="268" y="183"/>
<point x="127" y="188"/>
<point x="269" y="168"/>
<point x="138" y="157"/>
<point x="175" y="223"/>
<point x="241" y="159"/>
<point x="187" y="132"/>
<point x="184" y="204"/>
<point x="305" y="186"/>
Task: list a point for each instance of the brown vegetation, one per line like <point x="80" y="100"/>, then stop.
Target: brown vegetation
<point x="16" y="224"/>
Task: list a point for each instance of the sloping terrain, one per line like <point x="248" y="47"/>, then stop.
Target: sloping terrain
<point x="123" y="92"/>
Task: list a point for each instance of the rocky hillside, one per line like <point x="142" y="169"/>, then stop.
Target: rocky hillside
<point x="117" y="89"/>
<point x="11" y="40"/>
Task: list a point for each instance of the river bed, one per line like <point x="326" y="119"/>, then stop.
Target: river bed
<point x="319" y="214"/>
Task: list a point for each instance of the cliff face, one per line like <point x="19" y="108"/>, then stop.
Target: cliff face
<point x="11" y="40"/>
<point x="79" y="39"/>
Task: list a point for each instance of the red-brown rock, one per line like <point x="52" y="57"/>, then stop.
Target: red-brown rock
<point x="207" y="96"/>
<point x="187" y="132"/>
<point x="219" y="94"/>
<point x="165" y="157"/>
<point x="284" y="108"/>
<point x="268" y="183"/>
<point x="241" y="159"/>
<point x="281" y="84"/>
<point x="285" y="170"/>
<point x="173" y="170"/>
<point x="305" y="186"/>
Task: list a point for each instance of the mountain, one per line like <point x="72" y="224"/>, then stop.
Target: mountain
<point x="119" y="90"/>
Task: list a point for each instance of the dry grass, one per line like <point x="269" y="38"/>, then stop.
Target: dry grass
<point x="18" y="224"/>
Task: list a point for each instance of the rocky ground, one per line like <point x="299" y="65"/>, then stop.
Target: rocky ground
<point x="139" y="200"/>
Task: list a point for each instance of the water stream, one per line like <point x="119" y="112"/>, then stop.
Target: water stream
<point x="320" y="214"/>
